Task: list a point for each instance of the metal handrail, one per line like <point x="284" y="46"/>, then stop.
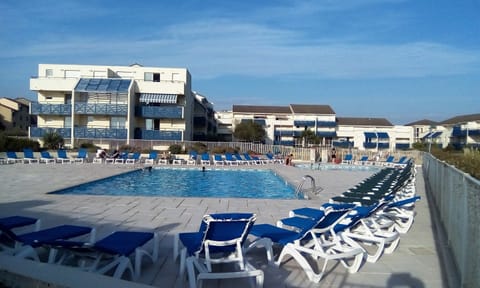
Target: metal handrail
<point x="305" y="193"/>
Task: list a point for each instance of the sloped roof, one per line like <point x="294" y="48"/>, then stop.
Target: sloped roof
<point x="312" y="109"/>
<point x="356" y="121"/>
<point x="462" y="119"/>
<point x="261" y="109"/>
<point x="424" y="122"/>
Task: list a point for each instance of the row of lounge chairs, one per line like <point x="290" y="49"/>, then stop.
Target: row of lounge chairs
<point x="359" y="225"/>
<point x="45" y="157"/>
<point x="73" y="244"/>
<point x="365" y="160"/>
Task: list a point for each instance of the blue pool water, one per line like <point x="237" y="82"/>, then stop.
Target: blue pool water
<point x="170" y="182"/>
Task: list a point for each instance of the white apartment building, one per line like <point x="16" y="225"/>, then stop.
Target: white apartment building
<point x="113" y="102"/>
<point x="285" y="125"/>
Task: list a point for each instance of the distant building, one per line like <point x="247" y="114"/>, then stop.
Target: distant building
<point x="463" y="130"/>
<point x="204" y="123"/>
<point x="14" y="114"/>
<point x="286" y="125"/>
<point x="102" y="103"/>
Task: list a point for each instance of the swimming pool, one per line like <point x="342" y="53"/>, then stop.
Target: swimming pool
<point x="184" y="182"/>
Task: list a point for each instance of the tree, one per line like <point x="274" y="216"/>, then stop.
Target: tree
<point x="249" y="131"/>
<point x="309" y="136"/>
<point x="52" y="140"/>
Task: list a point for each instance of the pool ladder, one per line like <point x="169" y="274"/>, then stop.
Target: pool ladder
<point x="314" y="190"/>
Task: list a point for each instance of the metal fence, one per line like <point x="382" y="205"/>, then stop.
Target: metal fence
<point x="456" y="196"/>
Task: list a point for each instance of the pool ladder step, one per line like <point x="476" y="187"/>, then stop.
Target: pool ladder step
<point x="314" y="190"/>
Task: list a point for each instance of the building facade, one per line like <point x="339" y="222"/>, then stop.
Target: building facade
<point x="113" y="102"/>
<point x="14" y="115"/>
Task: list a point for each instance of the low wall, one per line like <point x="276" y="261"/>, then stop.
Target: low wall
<point x="456" y="196"/>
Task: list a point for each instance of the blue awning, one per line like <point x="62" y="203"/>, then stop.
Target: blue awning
<point x="327" y="134"/>
<point x="383" y="135"/>
<point x="103" y="85"/>
<point x="432" y="134"/>
<point x="158" y="98"/>
<point x="370" y="135"/>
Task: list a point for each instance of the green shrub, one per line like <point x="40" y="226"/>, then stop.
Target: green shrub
<point x="17" y="144"/>
<point x="175" y="149"/>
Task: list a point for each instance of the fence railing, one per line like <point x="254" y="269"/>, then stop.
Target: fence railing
<point x="456" y="196"/>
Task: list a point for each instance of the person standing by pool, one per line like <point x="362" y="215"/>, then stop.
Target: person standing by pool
<point x="333" y="155"/>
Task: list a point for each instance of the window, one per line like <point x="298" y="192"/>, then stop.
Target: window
<point x="48" y="72"/>
<point x="68" y="98"/>
<point x="153" y="77"/>
<point x="118" y="122"/>
<point x="148" y="76"/>
<point x="152" y="124"/>
<point x="67" y="122"/>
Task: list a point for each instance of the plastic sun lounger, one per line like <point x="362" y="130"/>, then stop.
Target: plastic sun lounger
<point x="111" y="253"/>
<point x="222" y="234"/>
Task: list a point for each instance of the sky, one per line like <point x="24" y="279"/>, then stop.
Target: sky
<point x="403" y="60"/>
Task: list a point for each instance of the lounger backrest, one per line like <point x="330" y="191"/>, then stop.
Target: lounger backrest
<point x="82" y="153"/>
<point x="218" y="157"/>
<point x="205" y="156"/>
<point x="28" y="153"/>
<point x="12" y="155"/>
<point x="153" y="155"/>
<point x="225" y="228"/>
<point x="45" y="154"/>
<point x="62" y="154"/>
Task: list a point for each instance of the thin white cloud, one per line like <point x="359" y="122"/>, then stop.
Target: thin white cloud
<point x="216" y="48"/>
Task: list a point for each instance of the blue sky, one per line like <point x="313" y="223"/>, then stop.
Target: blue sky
<point x="396" y="59"/>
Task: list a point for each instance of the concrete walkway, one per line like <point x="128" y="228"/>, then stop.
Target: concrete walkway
<point x="415" y="263"/>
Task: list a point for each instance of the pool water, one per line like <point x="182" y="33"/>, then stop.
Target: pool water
<point x="171" y="182"/>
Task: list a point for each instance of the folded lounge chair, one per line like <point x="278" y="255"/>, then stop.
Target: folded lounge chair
<point x="110" y="254"/>
<point x="205" y="159"/>
<point x="218" y="241"/>
<point x="218" y="160"/>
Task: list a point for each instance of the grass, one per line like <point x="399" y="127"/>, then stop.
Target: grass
<point x="467" y="160"/>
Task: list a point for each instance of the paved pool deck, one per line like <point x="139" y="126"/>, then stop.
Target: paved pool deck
<point x="421" y="259"/>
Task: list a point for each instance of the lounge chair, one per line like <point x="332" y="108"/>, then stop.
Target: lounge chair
<point x="252" y="159"/>
<point x="348" y="159"/>
<point x="13" y="222"/>
<point x="229" y="160"/>
<point x="122" y="159"/>
<point x="134" y="159"/>
<point x="272" y="159"/>
<point x="388" y="161"/>
<point x="24" y="245"/>
<point x="81" y="156"/>
<point x="152" y="158"/>
<point x="28" y="156"/>
<point x="218" y="241"/>
<point x="363" y="160"/>
<point x="205" y="159"/>
<point x="308" y="239"/>
<point x="62" y="157"/>
<point x="178" y="161"/>
<point x="241" y="160"/>
<point x="192" y="158"/>
<point x="13" y="158"/>
<point x="111" y="253"/>
<point x="218" y="160"/>
<point x="46" y="158"/>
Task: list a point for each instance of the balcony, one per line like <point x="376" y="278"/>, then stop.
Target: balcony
<point x="101" y="109"/>
<point x="157" y="112"/>
<point x="40" y="131"/>
<point x="402" y="146"/>
<point x="52" y="84"/>
<point x="158" y="135"/>
<point x="167" y="87"/>
<point x="299" y="123"/>
<point x="373" y="145"/>
<point x="50" y="109"/>
<point x="283" y="133"/>
<point x="107" y="133"/>
<point x="344" y="144"/>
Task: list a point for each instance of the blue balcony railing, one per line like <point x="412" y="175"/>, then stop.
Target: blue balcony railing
<point x="402" y="146"/>
<point x="283" y="133"/>
<point x="158" y="135"/>
<point x="344" y="144"/>
<point x="370" y="145"/>
<point x="40" y="131"/>
<point x="304" y="123"/>
<point x="108" y="133"/>
<point x="101" y="109"/>
<point x="157" y="112"/>
<point x="51" y="109"/>
<point x="284" y="143"/>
